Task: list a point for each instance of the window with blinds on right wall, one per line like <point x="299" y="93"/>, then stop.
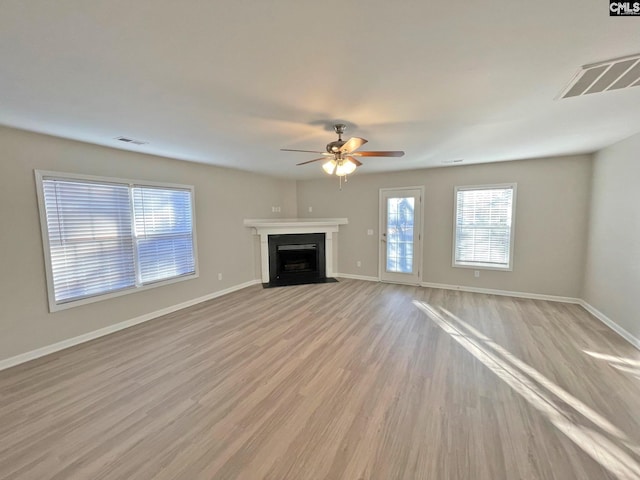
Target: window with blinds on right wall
<point x="483" y="226"/>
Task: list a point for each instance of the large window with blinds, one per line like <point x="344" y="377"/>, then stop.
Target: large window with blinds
<point x="483" y="226"/>
<point x="104" y="237"/>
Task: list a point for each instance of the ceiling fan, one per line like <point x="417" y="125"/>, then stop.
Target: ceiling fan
<point x="341" y="156"/>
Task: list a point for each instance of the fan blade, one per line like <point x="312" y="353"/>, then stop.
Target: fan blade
<point x="305" y="151"/>
<point x="354" y="160"/>
<point x="352" y="144"/>
<point x="380" y="154"/>
<point x="311" y="161"/>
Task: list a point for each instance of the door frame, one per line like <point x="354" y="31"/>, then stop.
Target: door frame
<point x="417" y="252"/>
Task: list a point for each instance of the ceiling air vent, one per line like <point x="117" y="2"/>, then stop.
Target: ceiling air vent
<point x="603" y="76"/>
<point x="131" y="141"/>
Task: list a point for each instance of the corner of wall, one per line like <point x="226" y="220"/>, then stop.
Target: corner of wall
<point x="289" y="198"/>
<point x="587" y="235"/>
<point x="613" y="240"/>
<point x="299" y="211"/>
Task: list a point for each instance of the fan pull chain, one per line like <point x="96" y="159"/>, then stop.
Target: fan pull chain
<point x="346" y="179"/>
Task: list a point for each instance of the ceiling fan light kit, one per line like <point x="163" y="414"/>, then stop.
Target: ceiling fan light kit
<point x="329" y="167"/>
<point x="343" y="152"/>
<point x="340" y="167"/>
<point x="345" y="167"/>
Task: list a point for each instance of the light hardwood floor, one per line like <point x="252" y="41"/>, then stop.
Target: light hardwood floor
<point x="352" y="380"/>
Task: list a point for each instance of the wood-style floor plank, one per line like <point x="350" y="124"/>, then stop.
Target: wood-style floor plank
<point x="351" y="380"/>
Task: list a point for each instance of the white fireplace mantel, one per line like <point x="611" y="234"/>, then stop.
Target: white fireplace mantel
<point x="282" y="226"/>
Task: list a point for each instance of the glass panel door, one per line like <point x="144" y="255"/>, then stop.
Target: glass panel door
<point x="400" y="246"/>
<point x="400" y="227"/>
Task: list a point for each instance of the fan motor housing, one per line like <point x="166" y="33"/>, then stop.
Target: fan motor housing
<point x="334" y="147"/>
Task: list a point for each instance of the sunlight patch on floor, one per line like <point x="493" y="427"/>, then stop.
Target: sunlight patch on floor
<point x="624" y="364"/>
<point x="633" y="371"/>
<point x="560" y="407"/>
<point x="613" y="358"/>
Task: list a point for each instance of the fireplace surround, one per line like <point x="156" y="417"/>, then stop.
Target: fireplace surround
<point x="265" y="228"/>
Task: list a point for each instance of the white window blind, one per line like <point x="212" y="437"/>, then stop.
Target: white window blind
<point x="483" y="226"/>
<point x="163" y="232"/>
<point x="105" y="237"/>
<point x="90" y="240"/>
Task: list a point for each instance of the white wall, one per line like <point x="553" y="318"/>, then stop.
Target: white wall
<point x="612" y="279"/>
<point x="550" y="232"/>
<point x="224" y="198"/>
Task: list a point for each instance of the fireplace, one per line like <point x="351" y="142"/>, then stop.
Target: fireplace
<point x="296" y="259"/>
<point x="266" y="228"/>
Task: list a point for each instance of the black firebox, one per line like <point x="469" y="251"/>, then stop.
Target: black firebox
<point x="295" y="259"/>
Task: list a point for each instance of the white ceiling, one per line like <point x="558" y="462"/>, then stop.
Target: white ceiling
<point x="230" y="83"/>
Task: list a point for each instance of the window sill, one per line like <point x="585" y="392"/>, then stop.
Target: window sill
<point x="483" y="266"/>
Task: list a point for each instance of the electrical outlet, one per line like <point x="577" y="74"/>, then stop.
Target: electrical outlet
<point x="476" y="273"/>
<point x="273" y="209"/>
<point x="310" y="209"/>
<point x="370" y="231"/>
<point x="358" y="263"/>
<point x="219" y="276"/>
<point x="278" y="209"/>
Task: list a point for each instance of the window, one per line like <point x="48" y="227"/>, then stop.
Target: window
<point x="163" y="233"/>
<point x="483" y="227"/>
<point x="111" y="236"/>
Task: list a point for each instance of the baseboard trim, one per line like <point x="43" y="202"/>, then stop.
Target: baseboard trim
<point x="611" y="324"/>
<point x="70" y="342"/>
<point x="504" y="293"/>
<point x="357" y="277"/>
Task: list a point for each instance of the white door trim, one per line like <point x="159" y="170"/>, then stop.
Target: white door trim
<point x="417" y="251"/>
